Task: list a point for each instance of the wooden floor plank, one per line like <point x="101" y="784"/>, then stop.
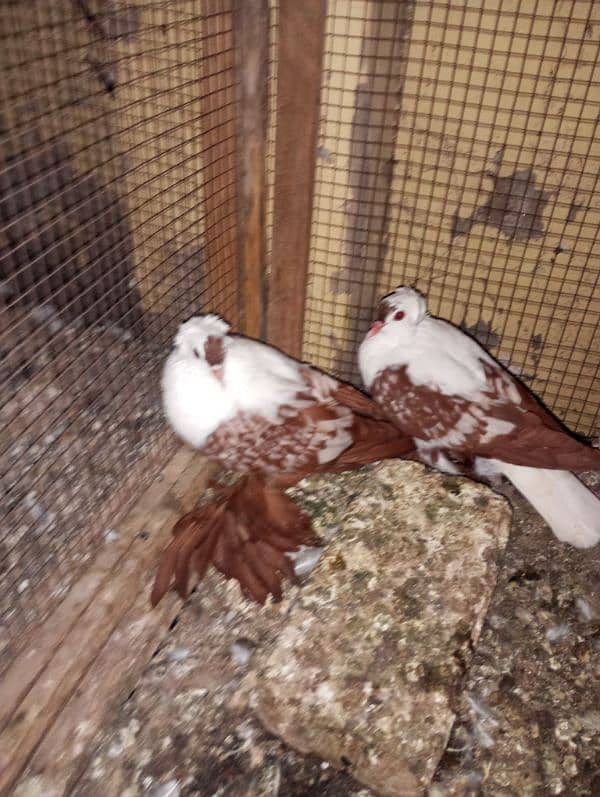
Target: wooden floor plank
<point x="26" y="668"/>
<point x="124" y="585"/>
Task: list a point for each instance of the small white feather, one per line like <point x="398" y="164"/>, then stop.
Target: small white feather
<point x="306" y="560"/>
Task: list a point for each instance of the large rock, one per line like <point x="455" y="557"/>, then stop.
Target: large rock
<point x="372" y="655"/>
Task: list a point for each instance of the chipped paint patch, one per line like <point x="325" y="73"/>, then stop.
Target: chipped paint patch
<point x="515" y="206"/>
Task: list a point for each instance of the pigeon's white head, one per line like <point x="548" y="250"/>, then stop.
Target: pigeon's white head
<point x="203" y="340"/>
<point x="388" y="340"/>
<point x="404" y="307"/>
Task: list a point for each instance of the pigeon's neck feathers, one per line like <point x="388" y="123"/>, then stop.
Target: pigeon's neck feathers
<point x="194" y="400"/>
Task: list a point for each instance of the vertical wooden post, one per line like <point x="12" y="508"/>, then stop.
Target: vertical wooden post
<point x="301" y="30"/>
<point x="251" y="37"/>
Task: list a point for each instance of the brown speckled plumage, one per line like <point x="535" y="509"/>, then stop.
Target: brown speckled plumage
<point x="536" y="439"/>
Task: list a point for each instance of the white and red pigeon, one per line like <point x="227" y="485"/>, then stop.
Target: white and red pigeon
<point x="274" y="420"/>
<point x="468" y="414"/>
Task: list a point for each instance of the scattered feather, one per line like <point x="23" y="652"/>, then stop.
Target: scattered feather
<point x="557" y="633"/>
<point x="169" y="789"/>
<point x="306" y="560"/>
<point x="591" y="721"/>
<point x="179" y="654"/>
<point x="42" y="517"/>
<point x="484" y="721"/>
<point x="585" y="610"/>
<point x="115" y="749"/>
<point x="241" y="652"/>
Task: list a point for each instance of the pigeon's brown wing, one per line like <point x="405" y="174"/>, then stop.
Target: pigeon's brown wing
<point x="373" y="436"/>
<point x="418" y="411"/>
<point x="537" y="438"/>
<point x="358" y="402"/>
<point x="305" y="434"/>
<point x="507" y="423"/>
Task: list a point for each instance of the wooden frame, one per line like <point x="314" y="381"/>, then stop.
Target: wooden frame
<point x="92" y="648"/>
<point x="301" y="32"/>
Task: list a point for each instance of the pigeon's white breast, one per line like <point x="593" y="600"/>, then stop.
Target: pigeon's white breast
<point x="194" y="401"/>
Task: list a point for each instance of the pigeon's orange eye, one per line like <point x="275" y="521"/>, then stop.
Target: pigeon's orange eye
<point x="196" y="354"/>
<point x="398" y="315"/>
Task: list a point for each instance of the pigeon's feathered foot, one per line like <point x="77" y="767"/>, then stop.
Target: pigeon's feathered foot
<point x="245" y="533"/>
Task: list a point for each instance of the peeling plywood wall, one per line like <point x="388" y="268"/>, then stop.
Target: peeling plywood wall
<point x="458" y="152"/>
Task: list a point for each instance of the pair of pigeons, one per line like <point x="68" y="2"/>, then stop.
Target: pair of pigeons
<point x="436" y="396"/>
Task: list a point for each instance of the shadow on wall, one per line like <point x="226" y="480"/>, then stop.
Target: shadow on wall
<point x="65" y="239"/>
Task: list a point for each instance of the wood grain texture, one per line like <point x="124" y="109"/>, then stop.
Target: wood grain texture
<point x="36" y="688"/>
<point x="251" y="35"/>
<point x="301" y="29"/>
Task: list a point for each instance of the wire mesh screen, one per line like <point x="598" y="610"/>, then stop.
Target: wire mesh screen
<point x="117" y="221"/>
<point x="459" y="153"/>
<point x="271" y="128"/>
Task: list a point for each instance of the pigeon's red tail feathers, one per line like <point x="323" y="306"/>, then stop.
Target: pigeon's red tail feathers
<point x="547" y="449"/>
<point x="245" y="534"/>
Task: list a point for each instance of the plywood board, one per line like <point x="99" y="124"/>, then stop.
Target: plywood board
<point x="493" y="101"/>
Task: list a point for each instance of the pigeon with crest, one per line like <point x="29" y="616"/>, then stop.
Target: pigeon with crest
<point x="274" y="420"/>
<point x="468" y="414"/>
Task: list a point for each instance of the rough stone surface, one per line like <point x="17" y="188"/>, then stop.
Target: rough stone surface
<point x="372" y="655"/>
<point x="526" y="721"/>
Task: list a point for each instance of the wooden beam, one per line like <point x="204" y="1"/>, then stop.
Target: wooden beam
<point x="71" y="741"/>
<point x="36" y="696"/>
<point x="251" y="36"/>
<point x="42" y="642"/>
<point x="301" y="31"/>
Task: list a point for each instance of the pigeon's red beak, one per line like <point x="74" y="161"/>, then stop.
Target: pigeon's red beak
<point x="375" y="328"/>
